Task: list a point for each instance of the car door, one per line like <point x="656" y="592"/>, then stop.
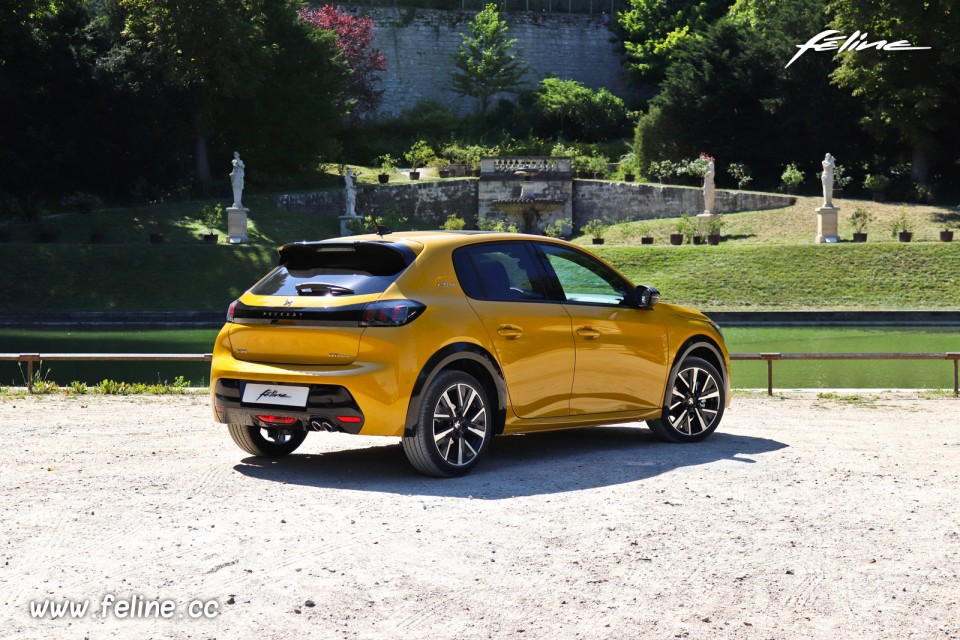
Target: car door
<point x="504" y="283"/>
<point x="621" y="350"/>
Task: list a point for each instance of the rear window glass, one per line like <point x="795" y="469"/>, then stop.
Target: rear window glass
<point x="499" y="271"/>
<point x="334" y="269"/>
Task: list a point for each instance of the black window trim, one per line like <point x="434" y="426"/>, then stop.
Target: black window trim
<point x="543" y="283"/>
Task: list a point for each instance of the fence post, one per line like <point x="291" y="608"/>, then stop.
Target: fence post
<point x="770" y="357"/>
<point x="956" y="373"/>
<point x="29" y="358"/>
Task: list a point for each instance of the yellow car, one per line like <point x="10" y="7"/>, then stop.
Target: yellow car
<point x="448" y="338"/>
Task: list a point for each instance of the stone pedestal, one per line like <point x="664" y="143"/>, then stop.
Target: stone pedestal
<point x="237" y="225"/>
<point x="345" y="224"/>
<point x="827" y="225"/>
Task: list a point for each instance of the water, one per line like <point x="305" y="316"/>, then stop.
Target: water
<point x="927" y="374"/>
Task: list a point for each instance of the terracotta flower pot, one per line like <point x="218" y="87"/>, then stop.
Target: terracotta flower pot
<point x="444" y="173"/>
<point x="383" y="178"/>
<point x="628" y="177"/>
<point x="713" y="239"/>
<point x="676" y="238"/>
<point x="598" y="241"/>
<point x="905" y="236"/>
<point x="414" y="175"/>
<point x="946" y="236"/>
<point x="211" y="238"/>
<point x="646" y="240"/>
<point x="859" y="237"/>
<point x="698" y="239"/>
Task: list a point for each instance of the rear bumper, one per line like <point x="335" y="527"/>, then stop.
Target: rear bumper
<point x="328" y="408"/>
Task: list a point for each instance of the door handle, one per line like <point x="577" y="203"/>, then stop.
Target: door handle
<point x="510" y="331"/>
<point x="588" y="333"/>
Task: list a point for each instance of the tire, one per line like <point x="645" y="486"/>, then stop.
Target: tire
<point x="693" y="404"/>
<point x="453" y="429"/>
<point x="266" y="443"/>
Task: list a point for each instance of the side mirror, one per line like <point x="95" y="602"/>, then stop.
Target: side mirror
<point x="647" y="296"/>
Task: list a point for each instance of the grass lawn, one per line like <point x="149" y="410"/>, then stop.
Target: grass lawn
<point x="767" y="260"/>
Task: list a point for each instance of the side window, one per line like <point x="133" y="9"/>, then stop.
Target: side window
<point x="499" y="271"/>
<point x="583" y="279"/>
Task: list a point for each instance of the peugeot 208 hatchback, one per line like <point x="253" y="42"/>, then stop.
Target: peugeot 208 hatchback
<point x="445" y="339"/>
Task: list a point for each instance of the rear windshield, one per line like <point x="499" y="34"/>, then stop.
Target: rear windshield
<point x="335" y="269"/>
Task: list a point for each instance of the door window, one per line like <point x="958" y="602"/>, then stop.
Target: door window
<point x="585" y="280"/>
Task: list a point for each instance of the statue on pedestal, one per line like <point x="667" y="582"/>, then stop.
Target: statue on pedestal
<point x="350" y="194"/>
<point x="709" y="190"/>
<point x="236" y="180"/>
<point x="826" y="178"/>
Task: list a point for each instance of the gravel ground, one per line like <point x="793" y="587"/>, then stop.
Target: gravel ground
<point x="801" y="518"/>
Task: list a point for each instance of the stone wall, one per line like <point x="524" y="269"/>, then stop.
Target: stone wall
<point x="638" y="201"/>
<point x="419" y="45"/>
<point x="433" y="201"/>
<point x="426" y="201"/>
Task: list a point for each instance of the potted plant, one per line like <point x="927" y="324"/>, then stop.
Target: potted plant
<point x="860" y="218"/>
<point x="662" y="170"/>
<point x="419" y="155"/>
<point x="840" y="180"/>
<point x="388" y="164"/>
<point x="47" y="233"/>
<point x="683" y="230"/>
<point x="946" y="235"/>
<point x="741" y="173"/>
<point x="211" y="217"/>
<point x="627" y="164"/>
<point x="83" y="202"/>
<point x="877" y="183"/>
<point x="901" y="228"/>
<point x="644" y="230"/>
<point x="558" y="229"/>
<point x="792" y="177"/>
<point x="596" y="229"/>
<point x="454" y="223"/>
<point x="714" y="224"/>
<point x="597" y="166"/>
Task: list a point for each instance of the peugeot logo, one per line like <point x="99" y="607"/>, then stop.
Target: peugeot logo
<point x="288" y="302"/>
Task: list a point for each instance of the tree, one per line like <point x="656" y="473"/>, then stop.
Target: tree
<point x="914" y="93"/>
<point x="211" y="50"/>
<point x="355" y="42"/>
<point x="653" y="29"/>
<point x="485" y="66"/>
<point x="567" y="107"/>
<point x="563" y="100"/>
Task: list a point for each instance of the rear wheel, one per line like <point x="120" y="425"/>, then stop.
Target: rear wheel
<point x="694" y="403"/>
<point x="267" y="443"/>
<point x="454" y="426"/>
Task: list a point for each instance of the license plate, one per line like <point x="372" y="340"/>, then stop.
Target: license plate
<point x="277" y="394"/>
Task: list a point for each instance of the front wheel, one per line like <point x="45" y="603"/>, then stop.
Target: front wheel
<point x="266" y="443"/>
<point x="693" y="405"/>
<point x="454" y="427"/>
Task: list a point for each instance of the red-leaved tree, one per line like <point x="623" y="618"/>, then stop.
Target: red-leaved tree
<point x="355" y="41"/>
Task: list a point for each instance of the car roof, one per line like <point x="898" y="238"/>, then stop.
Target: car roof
<point x="442" y="238"/>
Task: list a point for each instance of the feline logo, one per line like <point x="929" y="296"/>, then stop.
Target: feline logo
<point x="272" y="393"/>
<point x="826" y="41"/>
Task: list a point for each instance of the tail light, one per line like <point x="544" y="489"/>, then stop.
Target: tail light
<point x="231" y="309"/>
<point x="390" y="313"/>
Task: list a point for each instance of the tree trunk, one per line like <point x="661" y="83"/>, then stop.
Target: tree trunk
<point x="200" y="152"/>
<point x="920" y="166"/>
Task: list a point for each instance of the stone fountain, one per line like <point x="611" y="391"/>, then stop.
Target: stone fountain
<point x="531" y="192"/>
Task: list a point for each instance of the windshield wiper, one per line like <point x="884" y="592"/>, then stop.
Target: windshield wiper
<point x="322" y="289"/>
